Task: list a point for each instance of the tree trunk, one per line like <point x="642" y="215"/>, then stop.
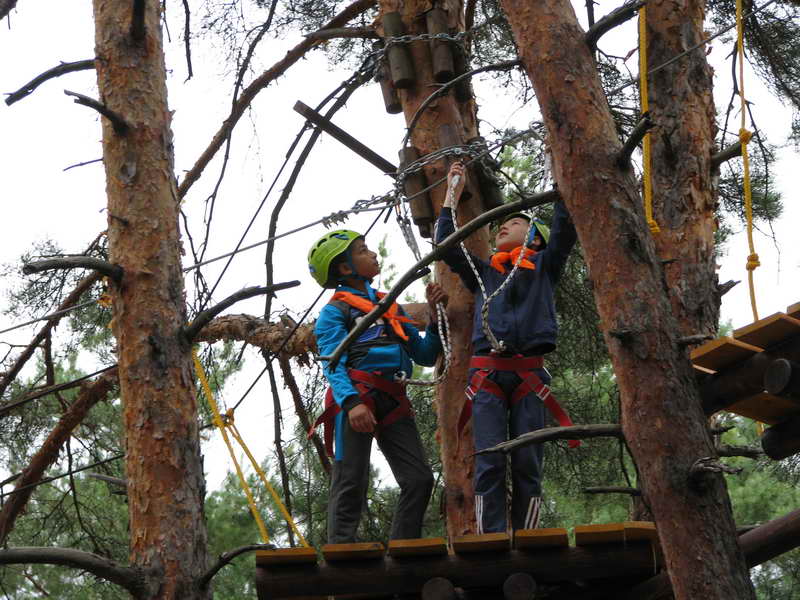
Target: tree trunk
<point x="457" y="462"/>
<point x="682" y="142"/>
<point x="662" y="421"/>
<point x="163" y="462"/>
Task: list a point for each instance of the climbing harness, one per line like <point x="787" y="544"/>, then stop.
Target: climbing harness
<point x="524" y="367"/>
<point x="227" y="426"/>
<point x="647" y="178"/>
<point x="365" y="382"/>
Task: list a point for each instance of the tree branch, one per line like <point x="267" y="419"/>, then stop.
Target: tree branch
<point x="413" y="273"/>
<point x="637" y="135"/>
<point x="63" y="68"/>
<point x="743" y="451"/>
<point x="725" y="155"/>
<point x="191" y="330"/>
<point x="343" y="32"/>
<point x="249" y="93"/>
<point x="616" y="17"/>
<point x="133" y="579"/>
<point x="226" y="557"/>
<point x="576" y="432"/>
<point x="187" y="15"/>
<point x="613" y="490"/>
<point x="121" y="126"/>
<point x="708" y="464"/>
<point x="113" y="272"/>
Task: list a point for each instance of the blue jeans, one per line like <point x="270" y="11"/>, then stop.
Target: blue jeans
<point x="493" y="421"/>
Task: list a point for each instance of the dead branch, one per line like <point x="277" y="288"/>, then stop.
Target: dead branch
<point x="191" y="330"/>
<point x="613" y="490"/>
<point x="120" y="125"/>
<point x="709" y="464"/>
<point x="743" y="451"/>
<point x="133" y="579"/>
<point x="548" y="434"/>
<point x="277" y="423"/>
<point x="694" y="340"/>
<point x="226" y="557"/>
<point x="89" y="395"/>
<point x="114" y="481"/>
<point x="249" y="93"/>
<point x="113" y="272"/>
<point x="62" y="69"/>
<point x="137" y="20"/>
<point x="616" y="17"/>
<point x="725" y="155"/>
<point x="68" y="302"/>
<point x="344" y="32"/>
<point x="637" y="135"/>
<point x="83" y="164"/>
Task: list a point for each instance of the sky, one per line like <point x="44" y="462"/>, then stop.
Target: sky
<point x="47" y="132"/>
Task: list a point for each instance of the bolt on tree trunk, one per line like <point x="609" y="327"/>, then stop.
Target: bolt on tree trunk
<point x="662" y="421"/>
<point x="163" y="463"/>
<point x="460" y="122"/>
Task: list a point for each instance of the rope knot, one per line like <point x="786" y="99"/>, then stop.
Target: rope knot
<point x="745" y="136"/>
<point x="753" y="262"/>
<point x="654" y="228"/>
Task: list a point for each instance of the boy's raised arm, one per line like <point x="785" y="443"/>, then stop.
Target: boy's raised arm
<point x="562" y="238"/>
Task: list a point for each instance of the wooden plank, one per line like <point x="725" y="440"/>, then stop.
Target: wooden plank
<point x="769" y="331"/>
<point x="640" y="531"/>
<point x="766" y="408"/>
<point x="703" y="370"/>
<point x="722" y="352"/>
<point x="286" y="556"/>
<point x="794" y="310"/>
<point x="535" y="539"/>
<point x="358" y="551"/>
<point x="418" y="547"/>
<point x="605" y="533"/>
<point x="487" y="542"/>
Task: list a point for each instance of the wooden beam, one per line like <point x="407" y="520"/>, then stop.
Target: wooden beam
<point x="345" y="138"/>
<point x="782" y="440"/>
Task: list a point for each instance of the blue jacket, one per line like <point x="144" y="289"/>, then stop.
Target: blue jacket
<point x="377" y="349"/>
<point x="523" y="315"/>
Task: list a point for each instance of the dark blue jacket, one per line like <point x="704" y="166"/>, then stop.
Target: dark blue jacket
<point x="523" y="315"/>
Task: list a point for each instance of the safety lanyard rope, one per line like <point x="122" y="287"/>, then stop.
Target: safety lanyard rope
<point x="647" y="177"/>
<point x="227" y="426"/>
<point x="744" y="138"/>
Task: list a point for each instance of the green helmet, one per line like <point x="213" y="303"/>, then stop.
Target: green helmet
<point x="538" y="227"/>
<point x="326" y="248"/>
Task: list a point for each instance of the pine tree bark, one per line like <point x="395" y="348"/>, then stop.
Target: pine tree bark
<point x="662" y="421"/>
<point x="163" y="462"/>
<point x="457" y="462"/>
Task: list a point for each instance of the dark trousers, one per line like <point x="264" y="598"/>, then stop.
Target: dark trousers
<point x="493" y="421"/>
<point x="402" y="447"/>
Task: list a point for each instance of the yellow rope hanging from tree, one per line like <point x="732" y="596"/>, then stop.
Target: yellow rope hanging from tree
<point x="227" y="425"/>
<point x="647" y="179"/>
<point x="744" y="139"/>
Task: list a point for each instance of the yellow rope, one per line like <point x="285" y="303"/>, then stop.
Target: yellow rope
<point x="744" y="139"/>
<point x="647" y="180"/>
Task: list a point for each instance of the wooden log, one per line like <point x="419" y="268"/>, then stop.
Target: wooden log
<point x="407" y="575"/>
<point x="401" y="67"/>
<point x="782" y="378"/>
<point x="391" y="101"/>
<point x="782" y="440"/>
<point x="441" y="50"/>
<point x="438" y="588"/>
<point x="462" y="90"/>
<point x="519" y="586"/>
<point x="491" y="193"/>
<point x="421" y="209"/>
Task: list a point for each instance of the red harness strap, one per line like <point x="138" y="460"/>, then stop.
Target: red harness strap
<point x="523" y="366"/>
<point x="365" y="382"/>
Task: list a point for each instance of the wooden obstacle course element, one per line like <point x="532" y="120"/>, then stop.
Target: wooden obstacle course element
<point x="401" y="66"/>
<point x="769" y="331"/>
<point x="519" y="586"/>
<point x="723" y="352"/>
<point x="448" y="137"/>
<point x="538" y="539"/>
<point x="391" y="101"/>
<point x="794" y="310"/>
<point x="606" y="533"/>
<point x="640" y="531"/>
<point x="766" y="407"/>
<point x="441" y="52"/>
<point x="782" y="378"/>
<point x="438" y="588"/>
<point x="417" y="547"/>
<point x="357" y="551"/>
<point x="462" y="91"/>
<point x="490" y="192"/>
<point x="782" y="440"/>
<point x="487" y="542"/>
<point x="286" y="556"/>
<point x="421" y="209"/>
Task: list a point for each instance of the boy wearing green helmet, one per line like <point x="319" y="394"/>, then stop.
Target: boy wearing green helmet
<point x="507" y="393"/>
<point x="364" y="399"/>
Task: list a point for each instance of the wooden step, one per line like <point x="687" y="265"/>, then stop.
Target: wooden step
<point x="722" y="352"/>
<point x="766" y="408"/>
<point x="794" y="310"/>
<point x="356" y="551"/>
<point x="607" y="533"/>
<point x="418" y="547"/>
<point x="640" y="531"/>
<point x="286" y="556"/>
<point x="769" y="331"/>
<point x="535" y="539"/>
<point x="487" y="542"/>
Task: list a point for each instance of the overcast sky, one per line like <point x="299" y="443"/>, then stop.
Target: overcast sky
<point x="46" y="132"/>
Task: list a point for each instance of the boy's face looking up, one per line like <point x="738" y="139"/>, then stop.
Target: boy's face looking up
<point x="364" y="260"/>
<point x="512" y="234"/>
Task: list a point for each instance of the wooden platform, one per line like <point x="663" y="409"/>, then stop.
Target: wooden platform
<point x="603" y="553"/>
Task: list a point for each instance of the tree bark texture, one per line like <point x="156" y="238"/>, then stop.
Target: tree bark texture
<point x="163" y="464"/>
<point x="91" y="392"/>
<point x="662" y="421"/>
<point x="461" y="117"/>
<point x="682" y="143"/>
